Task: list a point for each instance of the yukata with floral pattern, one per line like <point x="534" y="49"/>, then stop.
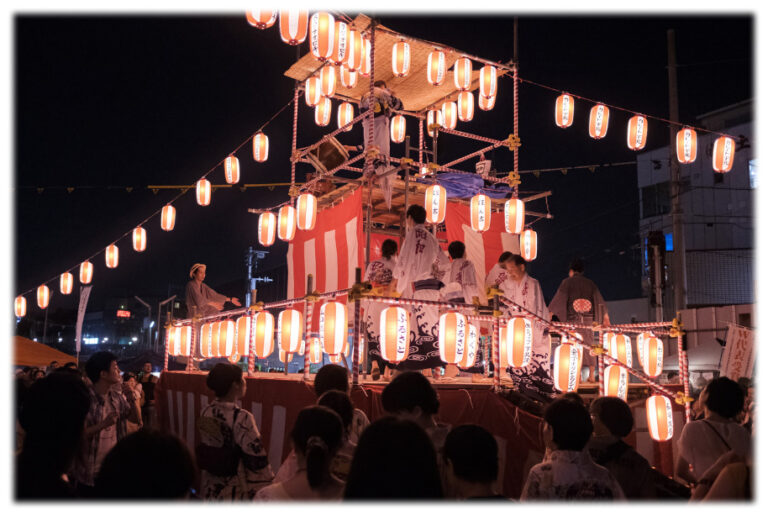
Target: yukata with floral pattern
<point x="570" y="475"/>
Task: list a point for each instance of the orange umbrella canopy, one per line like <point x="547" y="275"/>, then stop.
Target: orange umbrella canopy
<point x="30" y="353"/>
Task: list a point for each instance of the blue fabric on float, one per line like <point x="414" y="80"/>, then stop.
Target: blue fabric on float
<point x="464" y="186"/>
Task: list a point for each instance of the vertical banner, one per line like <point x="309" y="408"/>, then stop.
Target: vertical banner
<point x="84" y="293"/>
<point x="739" y="355"/>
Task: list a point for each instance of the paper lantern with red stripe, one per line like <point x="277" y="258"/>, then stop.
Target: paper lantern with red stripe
<point x="365" y="67"/>
<point x="607" y="338"/>
<point x="503" y="345"/>
<point x="519" y="346"/>
<point x="112" y="256"/>
<point x="488" y="81"/>
<point x="514" y="216"/>
<point x="232" y="170"/>
<point x="328" y="81"/>
<point x="260" y="147"/>
<point x="315" y="350"/>
<point x="686" y="145"/>
<point x="722" y="154"/>
<point x="20" y="306"/>
<point x="224" y="341"/>
<point x="290" y="330"/>
<point x="616" y="381"/>
<point x="263" y="331"/>
<point x="567" y="367"/>
<point x="293" y="26"/>
<point x="637" y="132"/>
<point x="395" y="334"/>
<point x="355" y="50"/>
<point x="340" y="43"/>
<point x="168" y="218"/>
<point x="286" y="223"/>
<point x="322" y="31"/>
<point x="480" y="212"/>
<point x="306" y="212"/>
<point x="348" y="77"/>
<point x="436" y="67"/>
<point x="449" y="113"/>
<point x="335" y="359"/>
<point x="267" y="228"/>
<point x="598" y="121"/>
<point x="528" y="245"/>
<point x="333" y="327"/>
<point x="435" y="200"/>
<point x="66" y="281"/>
<point x="139" y="239"/>
<point x="179" y="340"/>
<point x="462" y="74"/>
<point x="86" y="272"/>
<point x="243" y="328"/>
<point x="203" y="192"/>
<point x="470" y="348"/>
<point x="486" y="103"/>
<point x="323" y="112"/>
<point x="564" y="111"/>
<point x="345" y="115"/>
<point x="466" y="106"/>
<point x="206" y="340"/>
<point x="650" y="353"/>
<point x="434" y="117"/>
<point x="658" y="409"/>
<point x="621" y="349"/>
<point x="452" y="337"/>
<point x="401" y="59"/>
<point x="43" y="296"/>
<point x="313" y="93"/>
<point x="261" y="18"/>
<point x="397" y="129"/>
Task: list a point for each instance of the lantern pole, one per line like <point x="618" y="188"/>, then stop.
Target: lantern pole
<point x="600" y="365"/>
<point x="495" y="346"/>
<point x="295" y="128"/>
<point x="682" y="363"/>
<point x="252" y="342"/>
<point x="165" y="355"/>
<point x="516" y="127"/>
<point x="308" y="307"/>
<point x="356" y="337"/>
<point x="406" y="174"/>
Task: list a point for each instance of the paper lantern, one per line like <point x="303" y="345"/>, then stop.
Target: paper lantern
<point x="322" y="30"/>
<point x="528" y="245"/>
<point x="466" y="106"/>
<point x="637" y="132"/>
<point x="179" y="340"/>
<point x="139" y="239"/>
<point x="462" y="74"/>
<point x="267" y="228"/>
<point x="111" y="256"/>
<point x="598" y="121"/>
<point x="328" y="81"/>
<point x="722" y="154"/>
<point x="650" y="353"/>
<point x="449" y="115"/>
<point x="340" y="35"/>
<point x="621" y="349"/>
<point x="365" y="67"/>
<point x="313" y="93"/>
<point x="290" y="330"/>
<point x="306" y="212"/>
<point x="436" y="67"/>
<point x="514" y="216"/>
<point x="480" y="212"/>
<point x="261" y="18"/>
<point x="243" y="328"/>
<point x="616" y="381"/>
<point x="686" y="145"/>
<point x="260" y="147"/>
<point x="658" y="409"/>
<point x="263" y="331"/>
<point x="168" y="218"/>
<point x="567" y="367"/>
<point x="355" y="51"/>
<point x="223" y="333"/>
<point x="348" y="77"/>
<point x="394" y="334"/>
<point x="20" y="306"/>
<point x="452" y="337"/>
<point x="293" y="26"/>
<point x="488" y="81"/>
<point x="206" y="340"/>
<point x="470" y="348"/>
<point x="86" y="272"/>
<point x="397" y="129"/>
<point x="486" y="103"/>
<point x="333" y="327"/>
<point x="203" y="192"/>
<point x="286" y="223"/>
<point x="345" y="115"/>
<point x="284" y="357"/>
<point x="503" y="345"/>
<point x="401" y="59"/>
<point x="323" y="112"/>
<point x="66" y="281"/>
<point x="519" y="345"/>
<point x="335" y="359"/>
<point x="435" y="199"/>
<point x="43" y="296"/>
<point x="434" y="117"/>
<point x="564" y="111"/>
<point x="232" y="170"/>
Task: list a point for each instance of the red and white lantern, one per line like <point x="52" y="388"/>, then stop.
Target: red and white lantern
<point x="226" y="338"/>
<point x="650" y="353"/>
<point x="722" y="154"/>
<point x="139" y="239"/>
<point x="345" y="115"/>
<point x="328" y="81"/>
<point x="486" y="103"/>
<point x="261" y="18"/>
<point x="567" y="367"/>
<point x="503" y="344"/>
<point x="286" y="223"/>
<point x="43" y="296"/>
<point x="111" y="256"/>
<point x="401" y="59"/>
<point x="528" y="245"/>
<point x="355" y="51"/>
<point x="434" y="117"/>
<point x="333" y="327"/>
<point x="263" y="331"/>
<point x="436" y="67"/>
<point x="658" y="409"/>
<point x="348" y="77"/>
<point x="365" y="68"/>
<point x="260" y="147"/>
<point x="290" y="330"/>
<point x="306" y="212"/>
<point x="637" y="132"/>
<point x="480" y="212"/>
<point x="293" y="26"/>
<point x="323" y="112"/>
<point x="466" y="106"/>
<point x="452" y="338"/>
<point x="340" y="43"/>
<point x="621" y="349"/>
<point x="616" y="381"/>
<point x="267" y="228"/>
<point x="66" y="281"/>
<point x="322" y="30"/>
<point x="598" y="121"/>
<point x="564" y="111"/>
<point x="686" y="145"/>
<point x="336" y="359"/>
<point x="206" y="340"/>
<point x="86" y="272"/>
<point x="315" y="350"/>
<point x="313" y="93"/>
<point x="470" y="348"/>
<point x="395" y="334"/>
<point x="20" y="306"/>
<point x="179" y="340"/>
<point x="232" y="170"/>
<point x="462" y="74"/>
<point x="397" y="129"/>
<point x="488" y="81"/>
<point x="243" y="328"/>
<point x="168" y="218"/>
<point x="435" y="199"/>
<point x="514" y="216"/>
<point x="449" y="113"/>
<point x="519" y="345"/>
<point x="203" y="192"/>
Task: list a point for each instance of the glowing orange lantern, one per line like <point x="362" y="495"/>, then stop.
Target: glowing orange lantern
<point x="514" y="216"/>
<point x="686" y="145"/>
<point x="607" y="338"/>
<point x="86" y="272"/>
<point x="340" y="34"/>
<point x="480" y="212"/>
<point x="348" y="77"/>
<point x="243" y="328"/>
<point x="436" y="67"/>
<point x="449" y="115"/>
<point x="658" y="409"/>
<point x="395" y="334"/>
<point x="224" y="338"/>
<point x="503" y="353"/>
<point x="452" y="337"/>
<point x="335" y="359"/>
<point x="434" y="117"/>
<point x="306" y="211"/>
<point x="488" y="81"/>
<point x="43" y="296"/>
<point x="470" y="349"/>
<point x="260" y="147"/>
<point x="139" y="239"/>
<point x="290" y="330"/>
<point x="328" y="80"/>
<point x="567" y="367"/>
<point x="345" y="115"/>
<point x="528" y="245"/>
<point x="112" y="256"/>
<point x="637" y="132"/>
<point x="333" y="327"/>
<point x="66" y="281"/>
<point x="232" y="170"/>
<point x="598" y="121"/>
<point x="322" y="29"/>
<point x="286" y="223"/>
<point x="267" y="228"/>
<point x="293" y="26"/>
<point x="462" y="73"/>
<point x="621" y="349"/>
<point x="203" y="192"/>
<point x="263" y="330"/>
<point x="365" y="68"/>
<point x="355" y="51"/>
<point x="564" y="111"/>
<point x="466" y="106"/>
<point x="315" y="351"/>
<point x="168" y="218"/>
<point x="179" y="340"/>
<point x="435" y="198"/>
<point x="650" y="353"/>
<point x="397" y="129"/>
<point x="486" y="103"/>
<point x="20" y="306"/>
<point x="261" y="18"/>
<point x="401" y="59"/>
<point x="285" y="357"/>
<point x="519" y="345"/>
<point x="313" y="93"/>
<point x="616" y="381"/>
<point x="206" y="340"/>
<point x="722" y="154"/>
<point x="323" y="112"/>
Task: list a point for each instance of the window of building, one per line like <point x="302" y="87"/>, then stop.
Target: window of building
<point x="753" y="173"/>
<point x="655" y="199"/>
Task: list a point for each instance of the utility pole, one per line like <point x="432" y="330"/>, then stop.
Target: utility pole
<point x="252" y="257"/>
<point x="678" y="236"/>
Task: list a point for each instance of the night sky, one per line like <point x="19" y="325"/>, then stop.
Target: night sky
<point x="113" y="102"/>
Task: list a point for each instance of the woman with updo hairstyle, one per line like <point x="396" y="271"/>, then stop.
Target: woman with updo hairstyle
<point x="317" y="436"/>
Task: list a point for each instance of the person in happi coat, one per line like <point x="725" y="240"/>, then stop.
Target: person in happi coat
<point x="498" y="272"/>
<point x="201" y="299"/>
<point x="379" y="274"/>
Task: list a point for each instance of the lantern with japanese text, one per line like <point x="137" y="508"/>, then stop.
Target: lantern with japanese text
<point x="355" y="51"/>
<point x="637" y="132"/>
<point x="313" y="93"/>
<point x="401" y="59"/>
<point x="340" y="35"/>
<point x="260" y="147"/>
<point x="452" y="337"/>
<point x="345" y="115"/>
<point x="650" y="353"/>
<point x="436" y="67"/>
<point x="598" y="121"/>
<point x="20" y="306"/>
<point x="111" y="256"/>
<point x="232" y="170"/>
<point x="179" y="340"/>
<point x="434" y="117"/>
<point x="462" y="73"/>
<point x="286" y="223"/>
<point x="470" y="348"/>
<point x="435" y="199"/>
<point x="328" y="80"/>
<point x="306" y="212"/>
<point x="267" y="228"/>
<point x="348" y="77"/>
<point x="658" y="409"/>
<point x="66" y="281"/>
<point x="168" y="218"/>
<point x="139" y="239"/>
<point x="564" y="111"/>
<point x="43" y="296"/>
<point x="488" y="81"/>
<point x="290" y="330"/>
<point x="722" y="154"/>
<point x="607" y="338"/>
<point x="449" y="115"/>
<point x="528" y="245"/>
<point x="243" y="328"/>
<point x="365" y="68"/>
<point x="567" y="367"/>
<point x="519" y="346"/>
<point x="263" y="329"/>
<point x="480" y="212"/>
<point x="514" y="216"/>
<point x="323" y="112"/>
<point x="203" y="192"/>
<point x="621" y="349"/>
<point x="261" y="18"/>
<point x="486" y="103"/>
<point x="616" y="381"/>
<point x="395" y="334"/>
<point x="86" y="272"/>
<point x="466" y="106"/>
<point x="293" y="26"/>
<point x="686" y="145"/>
<point x="333" y="327"/>
<point x="322" y="30"/>
<point x="397" y="129"/>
